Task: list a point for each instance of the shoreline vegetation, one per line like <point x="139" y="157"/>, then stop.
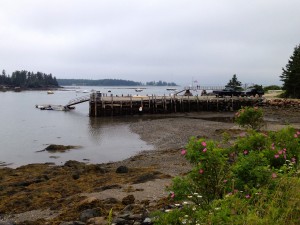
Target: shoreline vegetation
<point x="128" y="190"/>
<point x="25" y="80"/>
<point x="111" y="82"/>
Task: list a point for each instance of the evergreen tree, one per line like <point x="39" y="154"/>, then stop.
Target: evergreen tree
<point x="291" y="75"/>
<point x="234" y="83"/>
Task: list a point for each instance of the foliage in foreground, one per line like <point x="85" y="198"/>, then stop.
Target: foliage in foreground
<point x="253" y="181"/>
<point x="250" y="117"/>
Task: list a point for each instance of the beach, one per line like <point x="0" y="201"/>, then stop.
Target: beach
<point x="49" y="194"/>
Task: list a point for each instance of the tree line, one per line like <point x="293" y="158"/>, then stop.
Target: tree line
<point x="110" y="82"/>
<point x="160" y="83"/>
<point x="26" y="79"/>
<point x="103" y="82"/>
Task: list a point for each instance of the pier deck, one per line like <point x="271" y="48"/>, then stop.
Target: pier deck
<point x="101" y="106"/>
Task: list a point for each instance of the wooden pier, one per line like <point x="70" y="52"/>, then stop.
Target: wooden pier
<point x="101" y="106"/>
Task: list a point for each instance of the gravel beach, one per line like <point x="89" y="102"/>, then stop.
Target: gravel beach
<point x="76" y="186"/>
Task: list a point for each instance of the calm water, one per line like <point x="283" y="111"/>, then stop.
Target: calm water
<point x="25" y="130"/>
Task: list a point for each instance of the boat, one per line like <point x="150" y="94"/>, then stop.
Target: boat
<point x="171" y="89"/>
<point x="50" y="92"/>
<point x="85" y="91"/>
<point x="55" y="107"/>
<point x="138" y="90"/>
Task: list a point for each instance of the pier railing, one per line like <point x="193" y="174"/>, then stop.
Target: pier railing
<point x="78" y="100"/>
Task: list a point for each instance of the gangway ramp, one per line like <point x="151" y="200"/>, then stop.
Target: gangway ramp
<point x="78" y="100"/>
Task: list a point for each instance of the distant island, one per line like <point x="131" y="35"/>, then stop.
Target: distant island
<point x="110" y="82"/>
<point x="27" y="80"/>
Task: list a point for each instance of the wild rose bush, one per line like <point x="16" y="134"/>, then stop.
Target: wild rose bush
<point x="208" y="174"/>
<point x="255" y="180"/>
<point x="250" y="117"/>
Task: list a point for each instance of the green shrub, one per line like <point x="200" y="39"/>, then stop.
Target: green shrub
<point x="250" y="117"/>
<point x="208" y="174"/>
<point x="254" y="181"/>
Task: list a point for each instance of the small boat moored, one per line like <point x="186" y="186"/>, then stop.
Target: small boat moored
<point x="50" y="92"/>
<point x="55" y="107"/>
<point x="138" y="90"/>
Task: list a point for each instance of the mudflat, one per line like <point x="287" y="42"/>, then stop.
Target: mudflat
<point x="49" y="194"/>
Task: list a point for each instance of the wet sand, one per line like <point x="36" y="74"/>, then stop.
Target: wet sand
<point x="149" y="172"/>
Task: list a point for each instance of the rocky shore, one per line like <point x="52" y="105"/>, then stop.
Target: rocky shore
<point x="123" y="192"/>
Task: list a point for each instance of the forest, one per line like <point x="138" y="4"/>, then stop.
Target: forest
<point x="110" y="82"/>
<point x="26" y="79"/>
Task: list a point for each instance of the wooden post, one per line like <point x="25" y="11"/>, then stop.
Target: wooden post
<point x="189" y="103"/>
<point x="131" y="104"/>
<point x="182" y="107"/>
<point x="95" y="102"/>
<point x="175" y="104"/>
<point x="112" y="105"/>
<point x="103" y="106"/>
<point x="149" y="105"/>
<point x="207" y="103"/>
<point x="155" y="103"/>
<point x="121" y="108"/>
<point x="165" y="104"/>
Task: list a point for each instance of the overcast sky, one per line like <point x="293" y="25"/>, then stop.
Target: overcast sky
<point x="145" y="40"/>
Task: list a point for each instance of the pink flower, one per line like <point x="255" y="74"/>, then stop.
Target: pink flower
<point x="172" y="195"/>
<point x="280" y="152"/>
<point x="201" y="171"/>
<point x="276" y="156"/>
<point x="225" y="181"/>
<point x="298" y="133"/>
<point x="247" y="196"/>
<point x="274" y="175"/>
<point x="295" y="135"/>
<point x="245" y="152"/>
<point x="203" y="144"/>
<point x="273" y="146"/>
<point x="293" y="160"/>
<point x="183" y="152"/>
<point x="204" y="150"/>
<point x="243" y="134"/>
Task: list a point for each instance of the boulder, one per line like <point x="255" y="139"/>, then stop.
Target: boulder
<point x="122" y="169"/>
<point x="129" y="199"/>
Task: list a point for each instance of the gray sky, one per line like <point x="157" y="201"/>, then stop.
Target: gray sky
<point x="144" y="40"/>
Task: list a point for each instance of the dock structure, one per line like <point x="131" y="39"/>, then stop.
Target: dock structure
<point x="101" y="106"/>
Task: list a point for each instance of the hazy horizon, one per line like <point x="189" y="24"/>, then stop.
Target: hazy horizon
<point x="172" y="40"/>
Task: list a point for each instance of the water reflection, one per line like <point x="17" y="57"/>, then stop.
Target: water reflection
<point x="113" y="137"/>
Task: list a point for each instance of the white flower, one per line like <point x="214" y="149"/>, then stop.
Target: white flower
<point x="168" y="210"/>
<point x="199" y="196"/>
